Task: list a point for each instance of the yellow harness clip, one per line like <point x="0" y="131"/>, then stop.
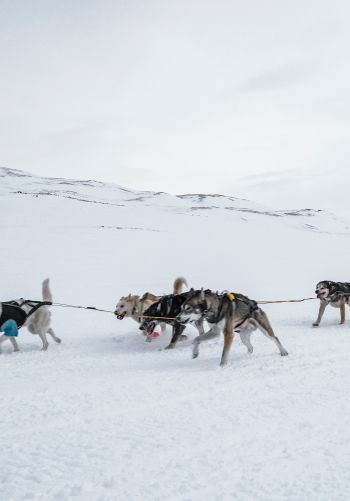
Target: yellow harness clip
<point x="231" y="296"/>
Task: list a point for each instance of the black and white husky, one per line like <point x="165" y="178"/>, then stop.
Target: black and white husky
<point x="227" y="313"/>
<point x="37" y="323"/>
<point x="166" y="310"/>
<point x="337" y="294"/>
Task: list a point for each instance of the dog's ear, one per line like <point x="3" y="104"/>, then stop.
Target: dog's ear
<point x="191" y="293"/>
<point x="202" y="296"/>
<point x="129" y="296"/>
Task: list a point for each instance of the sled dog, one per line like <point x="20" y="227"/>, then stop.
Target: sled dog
<point x="168" y="307"/>
<point x="38" y="323"/>
<point x="228" y="313"/>
<point x="133" y="306"/>
<point x="337" y="294"/>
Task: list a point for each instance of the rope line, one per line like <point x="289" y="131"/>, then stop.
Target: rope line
<point x="64" y="305"/>
<point x="93" y="308"/>
<point x="288" y="300"/>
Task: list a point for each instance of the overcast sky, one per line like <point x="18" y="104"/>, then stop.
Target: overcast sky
<point x="180" y="96"/>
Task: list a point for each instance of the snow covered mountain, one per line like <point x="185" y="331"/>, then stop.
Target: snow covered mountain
<point x="95" y="192"/>
<point x="105" y="416"/>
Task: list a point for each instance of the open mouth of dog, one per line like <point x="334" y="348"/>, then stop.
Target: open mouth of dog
<point x="150" y="328"/>
<point x="321" y="295"/>
<point x="182" y="320"/>
<point x="120" y="316"/>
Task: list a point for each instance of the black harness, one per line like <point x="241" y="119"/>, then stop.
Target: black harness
<point x="227" y="301"/>
<point x="12" y="310"/>
<point x="337" y="289"/>
<point x="167" y="306"/>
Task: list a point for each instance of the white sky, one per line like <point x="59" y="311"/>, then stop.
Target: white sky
<point x="179" y="96"/>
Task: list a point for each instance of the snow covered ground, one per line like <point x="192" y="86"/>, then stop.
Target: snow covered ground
<point x="105" y="416"/>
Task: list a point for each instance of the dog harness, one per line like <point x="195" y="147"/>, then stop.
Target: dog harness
<point x="13" y="317"/>
<point x="337" y="290"/>
<point x="252" y="305"/>
<point x="167" y="306"/>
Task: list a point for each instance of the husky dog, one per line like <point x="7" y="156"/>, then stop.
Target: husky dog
<point x="337" y="294"/>
<point x="227" y="313"/>
<point x="36" y="323"/>
<point x="135" y="306"/>
<point x="167" y="308"/>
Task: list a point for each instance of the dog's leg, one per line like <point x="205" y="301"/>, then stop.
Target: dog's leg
<point x="228" y="334"/>
<point x="53" y="335"/>
<point x="323" y="305"/>
<point x="14" y="344"/>
<point x="200" y="328"/>
<point x="43" y="338"/>
<point x="149" y="331"/>
<point x="211" y="334"/>
<point x="265" y="327"/>
<point x="177" y="331"/>
<point x="12" y="340"/>
<point x="199" y="325"/>
<point x="2" y="339"/>
<point x="342" y="311"/>
<point x="163" y="327"/>
<point x="245" y="338"/>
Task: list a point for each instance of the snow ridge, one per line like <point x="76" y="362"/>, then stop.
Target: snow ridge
<point x="96" y="192"/>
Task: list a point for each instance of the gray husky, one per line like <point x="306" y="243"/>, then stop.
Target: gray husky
<point x="228" y="313"/>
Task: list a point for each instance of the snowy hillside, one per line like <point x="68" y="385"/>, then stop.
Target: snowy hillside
<point x="88" y="191"/>
<point x="105" y="416"/>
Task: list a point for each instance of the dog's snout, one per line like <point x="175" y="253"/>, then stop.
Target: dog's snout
<point x="182" y="319"/>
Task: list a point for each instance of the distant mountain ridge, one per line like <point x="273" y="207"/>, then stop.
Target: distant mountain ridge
<point x="19" y="182"/>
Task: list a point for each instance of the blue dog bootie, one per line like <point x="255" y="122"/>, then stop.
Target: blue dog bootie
<point x="9" y="328"/>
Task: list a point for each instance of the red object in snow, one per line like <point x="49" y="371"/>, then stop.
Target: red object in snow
<point x="155" y="334"/>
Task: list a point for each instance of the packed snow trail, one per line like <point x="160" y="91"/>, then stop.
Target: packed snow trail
<point x="111" y="417"/>
<point x="105" y="416"/>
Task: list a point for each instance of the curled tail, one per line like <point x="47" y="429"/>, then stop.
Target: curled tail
<point x="178" y="284"/>
<point x="47" y="294"/>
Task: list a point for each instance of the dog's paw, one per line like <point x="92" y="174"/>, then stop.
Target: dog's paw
<point x="169" y="347"/>
<point x="315" y="324"/>
<point x="284" y="353"/>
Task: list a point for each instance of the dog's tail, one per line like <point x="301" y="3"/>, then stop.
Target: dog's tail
<point x="178" y="284"/>
<point x="47" y="294"/>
